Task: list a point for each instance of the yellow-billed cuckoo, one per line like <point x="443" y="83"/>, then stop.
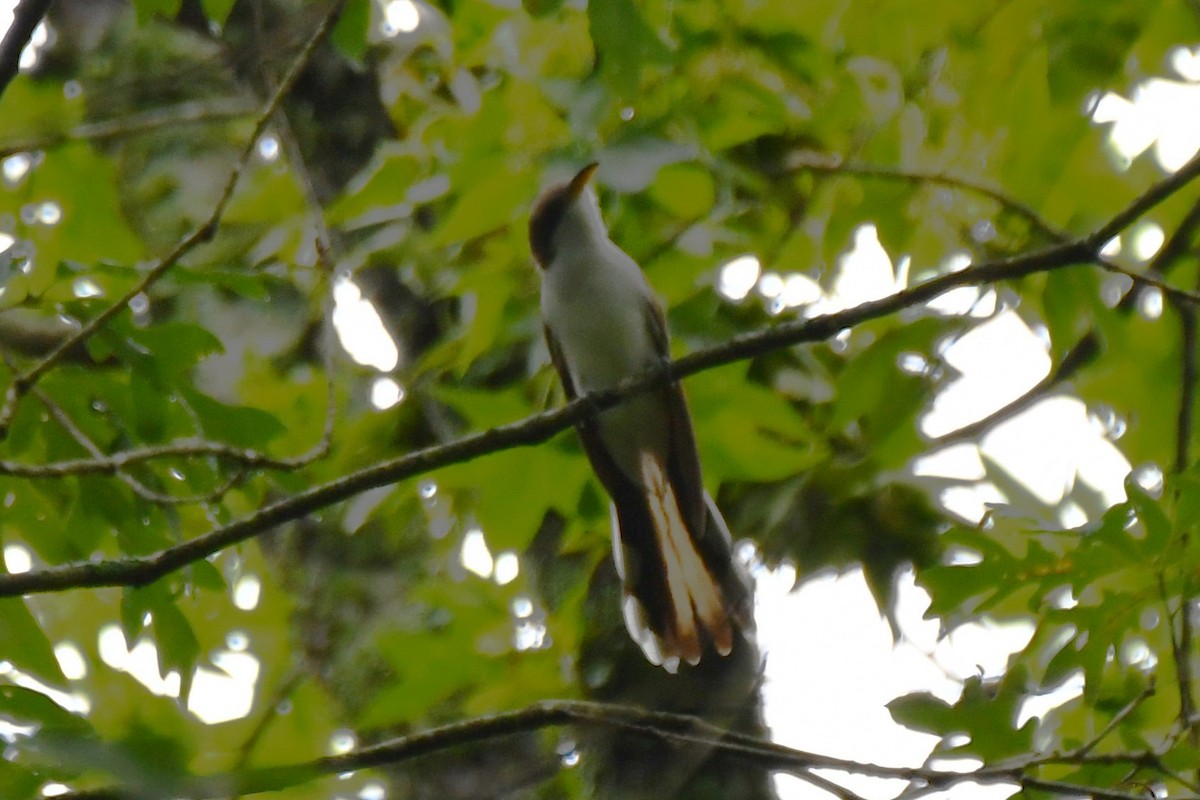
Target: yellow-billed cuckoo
<point x="683" y="591"/>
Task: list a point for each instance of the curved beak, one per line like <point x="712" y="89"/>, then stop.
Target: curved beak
<point x="577" y="184"/>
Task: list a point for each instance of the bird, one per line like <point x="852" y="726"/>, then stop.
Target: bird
<point x="684" y="594"/>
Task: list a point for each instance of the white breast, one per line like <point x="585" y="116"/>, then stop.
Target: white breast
<point x="596" y="307"/>
<point x="596" y="304"/>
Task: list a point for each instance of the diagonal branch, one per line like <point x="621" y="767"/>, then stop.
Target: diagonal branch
<point x="538" y="428"/>
<point x="1087" y="348"/>
<point x="140" y="489"/>
<point x="1187" y="398"/>
<point x="180" y="448"/>
<point x="26" y="16"/>
<point x="811" y="161"/>
<point x="677" y="728"/>
<point x="23" y="382"/>
<point x="533" y="430"/>
<point x="188" y="113"/>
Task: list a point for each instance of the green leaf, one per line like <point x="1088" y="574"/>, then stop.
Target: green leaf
<point x="23" y="642"/>
<point x="541" y="8"/>
<point x="485" y="204"/>
<point x="148" y="9"/>
<point x="176" y="347"/>
<point x="81" y="188"/>
<point x="28" y="707"/>
<point x="176" y="643"/>
<point x="922" y="711"/>
<point x="746" y="431"/>
<point x="178" y="647"/>
<point x="685" y="190"/>
<point x="384" y="182"/>
<point x="217" y="10"/>
<point x="1089" y="41"/>
<point x="1151" y="515"/>
<point x="350" y="33"/>
<point x="624" y="43"/>
<point x="240" y="425"/>
<point x="19" y="783"/>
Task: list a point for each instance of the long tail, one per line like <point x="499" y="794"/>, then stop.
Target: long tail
<point x="682" y="589"/>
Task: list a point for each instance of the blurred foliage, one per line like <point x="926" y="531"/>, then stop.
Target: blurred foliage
<point x="425" y="146"/>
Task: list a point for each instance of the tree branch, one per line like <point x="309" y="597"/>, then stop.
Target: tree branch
<point x="538" y="428"/>
<point x="23" y="382"/>
<point x="833" y="165"/>
<point x="676" y="728"/>
<point x="533" y="430"/>
<point x="181" y="448"/>
<point x="811" y="161"/>
<point x="1082" y="751"/>
<point x="189" y="113"/>
<point x="26" y="16"/>
<point x="1187" y="393"/>
<point x="140" y="489"/>
<point x="1088" y="347"/>
<point x="1076" y="358"/>
<point x="1179" y="245"/>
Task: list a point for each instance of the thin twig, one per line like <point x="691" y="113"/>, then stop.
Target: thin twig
<point x="1183" y="668"/>
<point x="677" y="728"/>
<point x="1088" y="346"/>
<point x="1083" y="750"/>
<point x="1064" y="789"/>
<point x="270" y="714"/>
<point x="181" y="448"/>
<point x="327" y="256"/>
<point x="23" y="382"/>
<point x="1187" y="391"/>
<point x="188" y="113"/>
<point x="140" y="489"/>
<point x="835" y="789"/>
<point x="1079" y="356"/>
<point x="1188" y="356"/>
<point x="811" y="161"/>
<point x="540" y="427"/>
<point x="1147" y="279"/>
<point x="834" y="165"/>
<point x="1187" y="703"/>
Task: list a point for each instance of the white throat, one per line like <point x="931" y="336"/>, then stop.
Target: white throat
<point x="600" y="311"/>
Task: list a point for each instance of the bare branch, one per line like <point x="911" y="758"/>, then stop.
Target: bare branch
<point x="533" y="430"/>
<point x="834" y="165"/>
<point x="538" y="428"/>
<point x="189" y="113"/>
<point x="1117" y="719"/>
<point x="1148" y="279"/>
<point x="553" y="713"/>
<point x="1076" y="358"/>
<point x="811" y="161"/>
<point x="140" y="489"/>
<point x="325" y="245"/>
<point x="1088" y="346"/>
<point x="1181" y="652"/>
<point x="181" y="448"/>
<point x="26" y="16"/>
<point x="24" y="381"/>
<point x="1187" y="390"/>
<point x="1179" y="245"/>
<point x="835" y="789"/>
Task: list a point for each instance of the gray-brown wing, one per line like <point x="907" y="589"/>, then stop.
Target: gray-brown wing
<point x="641" y="555"/>
<point x="683" y="460"/>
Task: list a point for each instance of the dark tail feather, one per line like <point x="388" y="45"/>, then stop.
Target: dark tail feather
<point x="683" y="590"/>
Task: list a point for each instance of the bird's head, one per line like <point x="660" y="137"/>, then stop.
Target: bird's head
<point x="565" y="214"/>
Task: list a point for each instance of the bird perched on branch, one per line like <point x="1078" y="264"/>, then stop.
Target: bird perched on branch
<point x="684" y="594"/>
